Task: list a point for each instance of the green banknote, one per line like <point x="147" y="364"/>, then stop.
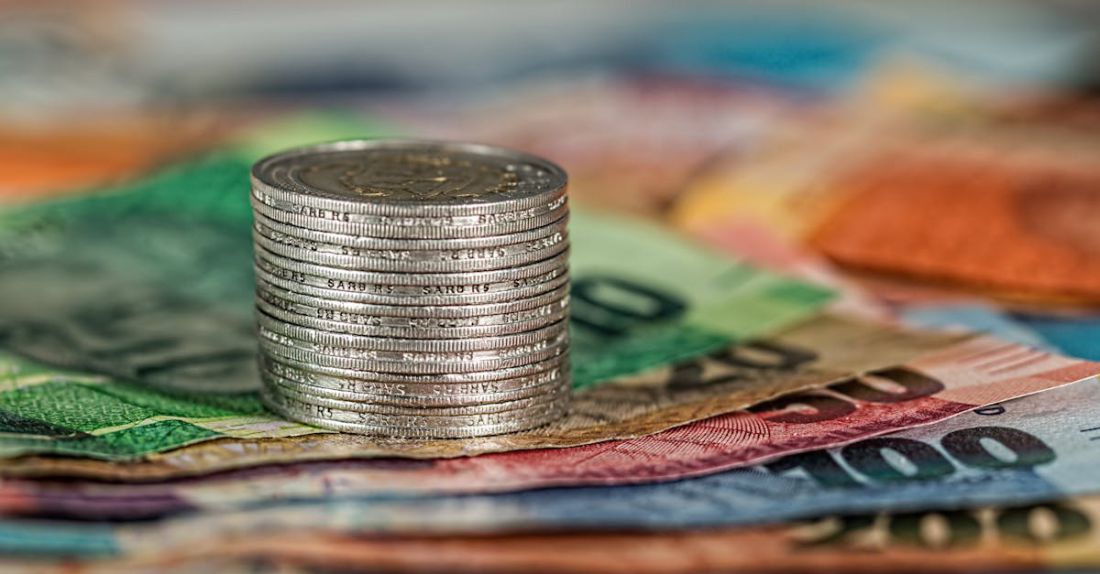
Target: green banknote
<point x="126" y="321"/>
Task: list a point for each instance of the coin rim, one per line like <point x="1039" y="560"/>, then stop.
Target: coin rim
<point x="331" y="339"/>
<point x="477" y="355"/>
<point x="490" y="296"/>
<point x="357" y="240"/>
<point x="261" y="169"/>
<point x="368" y="405"/>
<point x="557" y="262"/>
<point x="416" y="433"/>
<point x="418" y="368"/>
<point x="559" y="295"/>
<point x="499" y="376"/>
<point x="427" y="231"/>
<point x="261" y="195"/>
<point x="433" y="399"/>
<point x="420" y="423"/>
<point x="389" y="355"/>
<point x="492" y="330"/>
<point x="365" y="263"/>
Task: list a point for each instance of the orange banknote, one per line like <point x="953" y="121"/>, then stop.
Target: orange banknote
<point x="1001" y="205"/>
<point x="998" y="222"/>
<point x="628" y="144"/>
<point x="52" y="159"/>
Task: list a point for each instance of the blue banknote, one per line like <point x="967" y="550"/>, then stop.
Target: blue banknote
<point x="978" y="317"/>
<point x="1031" y="449"/>
<point x="1078" y="336"/>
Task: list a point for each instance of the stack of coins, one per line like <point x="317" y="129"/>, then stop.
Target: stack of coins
<point x="412" y="289"/>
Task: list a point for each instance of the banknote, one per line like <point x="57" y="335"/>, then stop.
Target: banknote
<point x="777" y="183"/>
<point x="590" y="127"/>
<point x="926" y="389"/>
<point x="976" y="316"/>
<point x="1028" y="450"/>
<point x="126" y="323"/>
<point x="1006" y="538"/>
<point x="168" y="564"/>
<point x="52" y="159"/>
<point x="1071" y="332"/>
<point x="1034" y="218"/>
<point x="999" y="209"/>
<point x="1061" y="534"/>
<point x="757" y="243"/>
<point x="818" y="352"/>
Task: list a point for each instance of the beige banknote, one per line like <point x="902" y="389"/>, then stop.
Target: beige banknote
<point x="816" y="353"/>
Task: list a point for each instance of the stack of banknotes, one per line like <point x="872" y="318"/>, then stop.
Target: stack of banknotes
<point x="724" y="417"/>
<point x="412" y="289"/>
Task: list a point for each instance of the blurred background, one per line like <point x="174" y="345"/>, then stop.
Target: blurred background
<point x="762" y="128"/>
<point x="932" y="164"/>
<point x="149" y="79"/>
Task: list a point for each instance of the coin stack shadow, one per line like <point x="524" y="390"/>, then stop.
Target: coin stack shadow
<point x="412" y="289"/>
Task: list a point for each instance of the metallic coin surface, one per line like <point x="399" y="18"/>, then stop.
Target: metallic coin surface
<point x="417" y="355"/>
<point x="278" y="328"/>
<point x="519" y="276"/>
<point x="440" y="227"/>
<point x="428" y="425"/>
<point x="399" y="384"/>
<point x="403" y="294"/>
<point x="425" y="395"/>
<point x="366" y="404"/>
<point x="355" y="214"/>
<point x="421" y="363"/>
<point x="412" y="433"/>
<point x="410" y="177"/>
<point x="413" y="327"/>
<point x="558" y="296"/>
<point x="412" y="289"/>
<point x="418" y="261"/>
<point x="284" y="232"/>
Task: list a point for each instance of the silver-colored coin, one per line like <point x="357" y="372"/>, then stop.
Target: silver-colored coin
<point x="310" y="209"/>
<point x="308" y="304"/>
<point x="414" y="317"/>
<point x="413" y="433"/>
<point x="548" y="411"/>
<point x="402" y="294"/>
<point x="516" y="277"/>
<point x="553" y="305"/>
<point x="449" y="288"/>
<point x="410" y="177"/>
<point x="280" y="328"/>
<point x="455" y="261"/>
<point x="419" y="386"/>
<point x="422" y="363"/>
<point x="430" y="395"/>
<point x="414" y="421"/>
<point x="416" y="261"/>
<point x="546" y="337"/>
<point x="412" y="289"/>
<point x="367" y="404"/>
<point x="306" y="238"/>
<point x="413" y="355"/>
<point x="489" y="326"/>
<point x="419" y="227"/>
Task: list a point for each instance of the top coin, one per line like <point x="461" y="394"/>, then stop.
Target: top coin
<point x="409" y="178"/>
